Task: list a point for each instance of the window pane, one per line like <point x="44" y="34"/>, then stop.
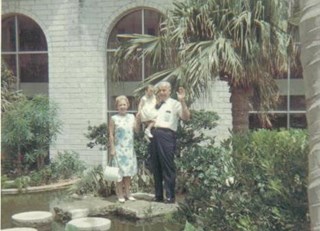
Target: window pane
<point x="297" y="102"/>
<point x="296" y="66"/>
<point x="8" y="34"/>
<point x="277" y="121"/>
<point x="152" y="21"/>
<point x="282" y="103"/>
<point x="149" y="67"/>
<point x="298" y="121"/>
<point x="10" y="61"/>
<point x="31" y="37"/>
<point x="33" y="67"/>
<point x="129" y="24"/>
<point x="254" y="122"/>
<point x="129" y="70"/>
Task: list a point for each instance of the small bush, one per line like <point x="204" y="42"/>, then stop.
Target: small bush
<point x="254" y="182"/>
<point x="92" y="182"/>
<point x="29" y="127"/>
<point x="67" y="165"/>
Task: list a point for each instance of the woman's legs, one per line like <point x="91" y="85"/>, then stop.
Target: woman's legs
<point x="119" y="190"/>
<point x="127" y="183"/>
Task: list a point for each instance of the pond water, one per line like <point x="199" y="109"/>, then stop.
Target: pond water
<point x="12" y="204"/>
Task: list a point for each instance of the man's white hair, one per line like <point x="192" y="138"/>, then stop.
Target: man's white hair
<point x="164" y="84"/>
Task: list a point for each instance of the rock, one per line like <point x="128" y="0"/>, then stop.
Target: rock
<point x="89" y="224"/>
<point x="79" y="213"/>
<point x="142" y="208"/>
<point x="41" y="220"/>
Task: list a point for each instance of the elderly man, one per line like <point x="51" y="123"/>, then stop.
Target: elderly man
<point x="163" y="144"/>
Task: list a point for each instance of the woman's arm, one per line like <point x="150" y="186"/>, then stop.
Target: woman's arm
<point x="137" y="123"/>
<point x="111" y="138"/>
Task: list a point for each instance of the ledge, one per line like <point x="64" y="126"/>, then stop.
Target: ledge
<point x="42" y="188"/>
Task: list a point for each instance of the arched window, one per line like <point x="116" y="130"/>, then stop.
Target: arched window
<point x="24" y="50"/>
<point x="141" y="21"/>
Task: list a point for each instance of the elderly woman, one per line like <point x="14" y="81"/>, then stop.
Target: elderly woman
<point x="121" y="134"/>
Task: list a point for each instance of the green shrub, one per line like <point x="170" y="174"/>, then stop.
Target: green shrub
<point x="28" y="129"/>
<point x="67" y="165"/>
<point x="8" y="92"/>
<point x="97" y="136"/>
<point x="268" y="188"/>
<point x="43" y="176"/>
<point x="92" y="182"/>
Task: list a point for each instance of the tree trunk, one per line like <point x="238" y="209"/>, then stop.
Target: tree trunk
<point x="240" y="109"/>
<point x="19" y="161"/>
<point x="310" y="56"/>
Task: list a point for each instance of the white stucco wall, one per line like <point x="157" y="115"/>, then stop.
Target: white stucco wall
<point x="217" y="99"/>
<point x="76" y="32"/>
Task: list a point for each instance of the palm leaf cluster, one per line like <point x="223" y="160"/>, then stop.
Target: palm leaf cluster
<point x="8" y="93"/>
<point x="244" y="41"/>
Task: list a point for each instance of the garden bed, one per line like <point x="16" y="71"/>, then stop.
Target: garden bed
<point x="43" y="188"/>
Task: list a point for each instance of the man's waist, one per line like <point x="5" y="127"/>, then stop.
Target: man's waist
<point x="165" y="129"/>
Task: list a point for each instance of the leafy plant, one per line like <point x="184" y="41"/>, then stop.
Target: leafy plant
<point x="43" y="176"/>
<point x="67" y="165"/>
<point x="191" y="133"/>
<point x="252" y="182"/>
<point x="92" y="182"/>
<point x="8" y="92"/>
<point x="98" y="135"/>
<point x="28" y="129"/>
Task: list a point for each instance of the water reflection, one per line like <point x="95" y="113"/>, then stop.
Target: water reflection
<point x="12" y="204"/>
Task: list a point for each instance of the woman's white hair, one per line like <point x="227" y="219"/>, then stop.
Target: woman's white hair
<point x="122" y="97"/>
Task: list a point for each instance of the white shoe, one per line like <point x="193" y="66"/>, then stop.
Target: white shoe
<point x="121" y="200"/>
<point x="148" y="133"/>
<point x="131" y="198"/>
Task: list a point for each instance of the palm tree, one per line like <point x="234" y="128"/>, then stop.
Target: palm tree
<point x="8" y="93"/>
<point x="243" y="42"/>
<point x="310" y="57"/>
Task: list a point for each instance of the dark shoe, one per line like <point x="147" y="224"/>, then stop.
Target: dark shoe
<point x="157" y="199"/>
<point x="170" y="201"/>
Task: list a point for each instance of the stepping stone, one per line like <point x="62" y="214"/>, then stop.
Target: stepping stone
<point x="79" y="213"/>
<point x="88" y="224"/>
<point x="41" y="220"/>
<point x="19" y="229"/>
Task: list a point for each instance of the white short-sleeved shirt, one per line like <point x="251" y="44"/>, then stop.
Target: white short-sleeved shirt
<point x="169" y="114"/>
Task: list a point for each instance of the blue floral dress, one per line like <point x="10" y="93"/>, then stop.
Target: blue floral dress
<point x="126" y="158"/>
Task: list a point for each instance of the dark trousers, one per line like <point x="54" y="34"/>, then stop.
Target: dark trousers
<point x="163" y="147"/>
